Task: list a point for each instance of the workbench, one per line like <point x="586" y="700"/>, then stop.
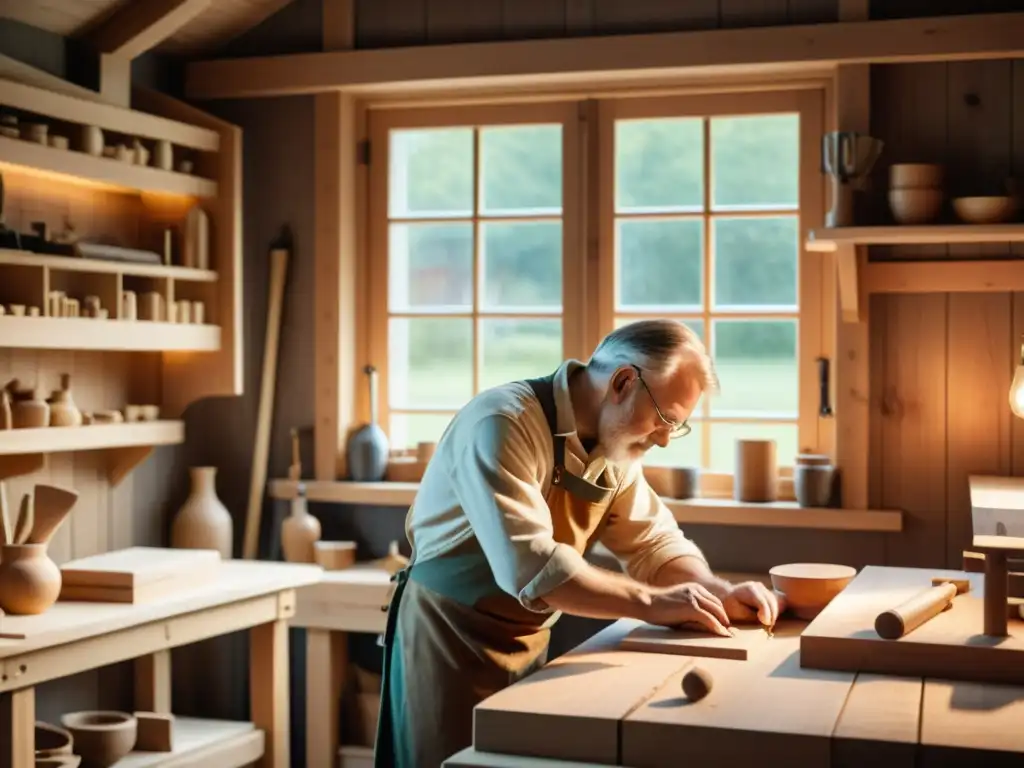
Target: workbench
<point x="349" y="600"/>
<point x="73" y="637"/>
<point x="599" y="705"/>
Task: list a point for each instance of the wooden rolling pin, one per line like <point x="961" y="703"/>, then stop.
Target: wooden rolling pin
<point x="926" y="604"/>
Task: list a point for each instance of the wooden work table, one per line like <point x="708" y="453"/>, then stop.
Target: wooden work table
<point x="73" y="637"/>
<point x="599" y="705"/>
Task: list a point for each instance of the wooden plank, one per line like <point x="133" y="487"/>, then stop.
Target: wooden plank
<point x="879" y="723"/>
<point x="524" y="19"/>
<point x="753" y="13"/>
<point x="1014" y="355"/>
<point x="793" y="48"/>
<point x="471" y="757"/>
<point x="746" y="642"/>
<point x="455" y="21"/>
<point x="978" y="428"/>
<point x="1017" y="119"/>
<point x="383" y="23"/>
<point x="966" y="723"/>
<point x="972" y="276"/>
<point x="913" y="406"/>
<point x="572" y="708"/>
<point x="766" y="711"/>
<point x="338" y="18"/>
<point x="950" y="645"/>
<point x="90" y="334"/>
<point x="825" y="240"/>
<point x="616" y="17"/>
<point x="138" y="26"/>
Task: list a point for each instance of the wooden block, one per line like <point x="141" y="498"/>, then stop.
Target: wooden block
<point x="137" y="574"/>
<point x="154" y="732"/>
<point x="950" y="645"/>
<point x="744" y="641"/>
<point x="879" y="723"/>
<point x="572" y="708"/>
<point x="768" y="711"/>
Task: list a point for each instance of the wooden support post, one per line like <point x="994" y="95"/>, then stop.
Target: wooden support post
<point x="153" y="682"/>
<point x="995" y="594"/>
<point x="268" y="690"/>
<point x="18" y="728"/>
<point x="326" y="662"/>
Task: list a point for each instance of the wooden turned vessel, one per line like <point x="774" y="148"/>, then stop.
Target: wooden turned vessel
<point x="29" y="580"/>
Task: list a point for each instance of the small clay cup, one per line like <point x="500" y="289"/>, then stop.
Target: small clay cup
<point x="101" y="738"/>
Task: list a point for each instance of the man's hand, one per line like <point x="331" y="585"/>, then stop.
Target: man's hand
<point x="750" y="600"/>
<point x="689" y="603"/>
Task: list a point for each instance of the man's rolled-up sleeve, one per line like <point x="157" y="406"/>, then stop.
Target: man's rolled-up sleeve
<point x="497" y="482"/>
<point x="641" y="531"/>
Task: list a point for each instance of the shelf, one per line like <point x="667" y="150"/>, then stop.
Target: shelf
<point x="106" y="116"/>
<point x="202" y="743"/>
<point x="690" y="511"/>
<point x="829" y="240"/>
<point x="99" y="266"/>
<point x="859" y="277"/>
<point x="80" y="168"/>
<point x="116" y="335"/>
<point x="21" y="450"/>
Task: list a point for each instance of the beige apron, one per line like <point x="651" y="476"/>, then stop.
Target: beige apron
<point x="454" y="637"/>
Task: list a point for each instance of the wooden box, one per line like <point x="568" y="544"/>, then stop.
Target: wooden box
<point x="137" y="574"/>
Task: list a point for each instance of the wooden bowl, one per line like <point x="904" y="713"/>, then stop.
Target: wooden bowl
<point x="915" y="206"/>
<point x="101" y="738"/>
<point x="984" y="210"/>
<point x="809" y="587"/>
<point x="52" y="740"/>
<point x="915" y="176"/>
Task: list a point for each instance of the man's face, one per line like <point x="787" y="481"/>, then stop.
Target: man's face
<point x="629" y="423"/>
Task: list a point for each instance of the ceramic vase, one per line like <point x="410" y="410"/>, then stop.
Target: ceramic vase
<point x="29" y="580"/>
<point x="300" y="531"/>
<point x="63" y="411"/>
<point x="203" y="522"/>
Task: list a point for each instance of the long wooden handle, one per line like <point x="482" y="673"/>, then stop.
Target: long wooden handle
<point x="909" y="615"/>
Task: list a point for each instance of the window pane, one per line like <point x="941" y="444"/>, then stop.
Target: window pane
<point x="757" y="367"/>
<point x="724" y="437"/>
<point x="430" y="362"/>
<point x="518" y="349"/>
<point x="408" y="429"/>
<point x="430" y="267"/>
<point x="659" y="164"/>
<point x="755" y="261"/>
<point x="521" y="265"/>
<point x="521" y="169"/>
<point x="660" y="264"/>
<point x="681" y="452"/>
<point x="431" y="173"/>
<point x="755" y="161"/>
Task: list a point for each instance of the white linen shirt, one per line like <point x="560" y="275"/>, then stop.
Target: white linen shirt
<point x="489" y="477"/>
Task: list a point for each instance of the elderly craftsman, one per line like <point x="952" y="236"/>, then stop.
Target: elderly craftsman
<point x="526" y="477"/>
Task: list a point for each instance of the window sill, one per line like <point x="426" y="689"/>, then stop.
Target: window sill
<point x="703" y="511"/>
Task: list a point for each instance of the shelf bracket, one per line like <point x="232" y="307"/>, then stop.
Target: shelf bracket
<point x="18" y="464"/>
<point x="847" y="257"/>
<point x="123" y="460"/>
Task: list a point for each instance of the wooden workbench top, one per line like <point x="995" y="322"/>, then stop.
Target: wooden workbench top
<point x="603" y="705"/>
<point x="67" y="622"/>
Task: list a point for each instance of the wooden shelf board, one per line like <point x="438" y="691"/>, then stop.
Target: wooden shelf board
<point x="106" y="116"/>
<point x="92" y="437"/>
<point x="829" y="239"/>
<point x="78" y="264"/>
<point x="118" y="335"/>
<point x="79" y="168"/>
<point x="201" y="743"/>
<point x="690" y="511"/>
<point x="974" y="276"/>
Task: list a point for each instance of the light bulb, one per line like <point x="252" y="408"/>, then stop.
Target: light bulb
<point x="1017" y="389"/>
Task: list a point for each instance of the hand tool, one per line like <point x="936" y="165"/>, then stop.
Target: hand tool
<point x="926" y="604"/>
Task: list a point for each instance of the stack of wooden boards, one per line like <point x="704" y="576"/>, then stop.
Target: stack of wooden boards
<point x="137" y="574"/>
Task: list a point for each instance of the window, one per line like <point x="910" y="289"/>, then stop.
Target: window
<point x="479" y="264"/>
<point x="468" y="258"/>
<point x="704" y="219"/>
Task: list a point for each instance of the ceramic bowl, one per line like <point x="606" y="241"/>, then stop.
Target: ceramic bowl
<point x="915" y="176"/>
<point x="915" y="206"/>
<point x="52" y="740"/>
<point x="101" y="738"/>
<point x="984" y="210"/>
<point x="809" y="587"/>
<point x="63" y="761"/>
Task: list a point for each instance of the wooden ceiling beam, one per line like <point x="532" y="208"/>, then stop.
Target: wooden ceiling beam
<point x="575" y="60"/>
<point x="140" y="25"/>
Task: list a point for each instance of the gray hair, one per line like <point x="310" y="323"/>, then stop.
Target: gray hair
<point x="659" y="347"/>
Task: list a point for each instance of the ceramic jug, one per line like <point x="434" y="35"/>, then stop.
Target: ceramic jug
<point x="203" y="522"/>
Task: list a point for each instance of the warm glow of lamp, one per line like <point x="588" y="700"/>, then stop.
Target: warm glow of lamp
<point x="1017" y="388"/>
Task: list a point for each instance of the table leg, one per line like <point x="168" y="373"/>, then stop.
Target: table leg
<point x="995" y="594"/>
<point x="268" y="690"/>
<point x="153" y="682"/>
<point x="326" y="662"/>
<point x="18" y="728"/>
